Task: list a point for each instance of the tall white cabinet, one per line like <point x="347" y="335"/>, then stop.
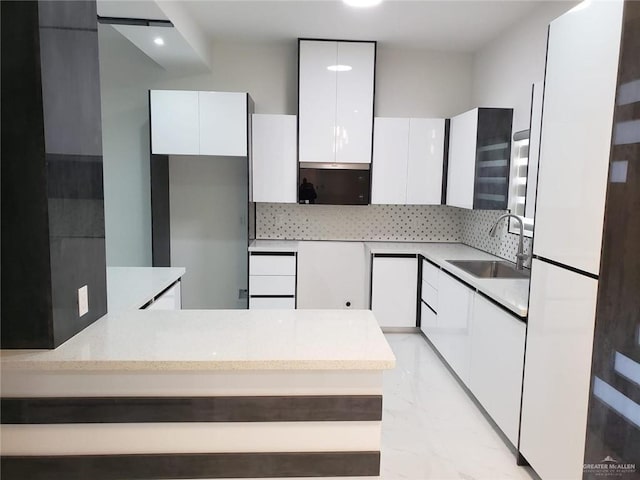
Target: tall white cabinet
<point x="335" y="105"/>
<point x="579" y="99"/>
<point x="273" y="158"/>
<point x="408" y="156"/>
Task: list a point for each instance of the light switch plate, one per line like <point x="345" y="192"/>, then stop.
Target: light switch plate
<point x="83" y="300"/>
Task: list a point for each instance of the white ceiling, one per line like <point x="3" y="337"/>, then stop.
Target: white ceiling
<point x="445" y="25"/>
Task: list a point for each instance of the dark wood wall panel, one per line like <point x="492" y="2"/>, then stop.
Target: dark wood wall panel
<point x="52" y="186"/>
<point x="617" y="327"/>
<point x="191" y="409"/>
<point x="211" y="465"/>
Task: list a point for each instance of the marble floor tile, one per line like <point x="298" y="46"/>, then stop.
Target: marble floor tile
<point x="431" y="429"/>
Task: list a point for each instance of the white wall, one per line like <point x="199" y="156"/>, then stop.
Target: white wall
<point x="422" y="83"/>
<point x="208" y="197"/>
<point x="505" y="68"/>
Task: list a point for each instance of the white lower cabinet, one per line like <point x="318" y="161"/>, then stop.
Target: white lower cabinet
<point x="272" y="303"/>
<point x="557" y="370"/>
<point x="394" y="290"/>
<point x="331" y="275"/>
<point x="452" y="334"/>
<point x="497" y="357"/>
<point x="171" y="299"/>
<point x="482" y="343"/>
<point x="272" y="280"/>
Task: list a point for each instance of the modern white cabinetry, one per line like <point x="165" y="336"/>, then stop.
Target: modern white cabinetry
<point x="481" y="342"/>
<point x="558" y="365"/>
<point x="331" y="275"/>
<point x="170" y="299"/>
<point x="394" y="290"/>
<point x="272" y="280"/>
<point x="199" y="123"/>
<point x="479" y="159"/>
<point x="223" y="123"/>
<point x="335" y="102"/>
<point x="391" y="159"/>
<point x="273" y="158"/>
<point x="408" y="161"/>
<point x="452" y="334"/>
<point x="579" y="97"/>
<point x="497" y="358"/>
<point x="174" y="122"/>
<point x="426" y="156"/>
<point x="462" y="159"/>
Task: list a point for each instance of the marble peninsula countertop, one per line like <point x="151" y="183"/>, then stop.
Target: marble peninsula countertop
<point x="130" y="288"/>
<point x="206" y="340"/>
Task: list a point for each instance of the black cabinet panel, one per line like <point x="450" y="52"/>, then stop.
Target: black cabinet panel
<point x="52" y="190"/>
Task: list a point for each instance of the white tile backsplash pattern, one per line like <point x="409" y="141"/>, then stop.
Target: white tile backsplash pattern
<point x="399" y="223"/>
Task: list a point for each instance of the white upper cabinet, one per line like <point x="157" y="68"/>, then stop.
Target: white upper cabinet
<point x="407" y="161"/>
<point x="317" y="101"/>
<point x="199" y="123"/>
<point x="390" y="161"/>
<point x="579" y="97"/>
<point x="335" y="101"/>
<point x="462" y="159"/>
<point x="426" y="155"/>
<point x="354" y="102"/>
<point x="273" y="158"/>
<point x="174" y="122"/>
<point x="223" y="123"/>
<point x="479" y="159"/>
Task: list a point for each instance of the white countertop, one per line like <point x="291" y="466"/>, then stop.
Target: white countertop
<point x="129" y="288"/>
<point x="511" y="293"/>
<point x="273" y="246"/>
<point x="203" y="340"/>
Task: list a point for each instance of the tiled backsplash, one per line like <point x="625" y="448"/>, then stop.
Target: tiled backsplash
<point x="403" y="223"/>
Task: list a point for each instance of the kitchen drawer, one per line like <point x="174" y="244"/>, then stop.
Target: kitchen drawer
<point x="272" y="303"/>
<point x="428" y="319"/>
<point x="272" y="285"/>
<point x="430" y="274"/>
<point x="429" y="295"/>
<point x="272" y="265"/>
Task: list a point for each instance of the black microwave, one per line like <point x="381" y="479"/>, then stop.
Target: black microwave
<point x="334" y="183"/>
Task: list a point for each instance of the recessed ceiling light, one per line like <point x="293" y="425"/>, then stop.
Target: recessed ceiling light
<point x="339" y="68"/>
<point x="362" y="3"/>
<point x="158" y="41"/>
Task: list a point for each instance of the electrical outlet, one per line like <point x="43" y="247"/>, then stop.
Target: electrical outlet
<point x="83" y="300"/>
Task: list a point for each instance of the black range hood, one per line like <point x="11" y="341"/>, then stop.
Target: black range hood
<point x="334" y="183"/>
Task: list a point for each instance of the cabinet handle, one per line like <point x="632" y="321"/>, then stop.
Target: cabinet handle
<point x="348" y="304"/>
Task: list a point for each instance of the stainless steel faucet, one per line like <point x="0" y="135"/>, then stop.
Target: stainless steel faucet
<point x="521" y="257"/>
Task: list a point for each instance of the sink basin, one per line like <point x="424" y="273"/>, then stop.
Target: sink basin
<point x="490" y="268"/>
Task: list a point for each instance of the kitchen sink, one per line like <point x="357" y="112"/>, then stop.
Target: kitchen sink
<point x="490" y="268"/>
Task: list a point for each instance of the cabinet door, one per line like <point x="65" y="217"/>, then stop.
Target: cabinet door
<point x="390" y="154"/>
<point x="394" y="291"/>
<point x="497" y="358"/>
<point x="452" y="337"/>
<point x="354" y="102"/>
<point x="579" y="96"/>
<point x="317" y="101"/>
<point x="330" y="275"/>
<point x="557" y="370"/>
<point x="462" y="159"/>
<point x="426" y="152"/>
<point x="174" y="122"/>
<point x="223" y="123"/>
<point x="273" y="162"/>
